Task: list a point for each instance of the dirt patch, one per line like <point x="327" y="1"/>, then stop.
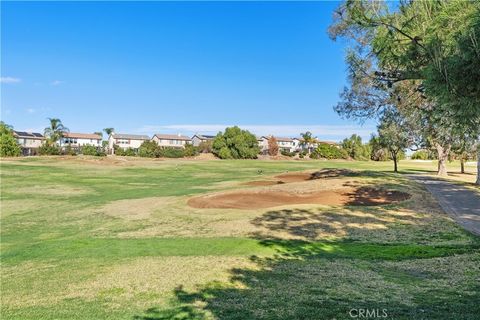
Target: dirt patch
<point x="322" y="174"/>
<point x="263" y="183"/>
<point x="364" y="196"/>
<point x="136" y="209"/>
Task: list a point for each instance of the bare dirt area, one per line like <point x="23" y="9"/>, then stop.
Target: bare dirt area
<point x="263" y="183"/>
<point x="363" y="196"/>
<point x="322" y="174"/>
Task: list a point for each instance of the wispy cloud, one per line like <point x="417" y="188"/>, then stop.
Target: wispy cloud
<point x="9" y="80"/>
<point x="31" y="110"/>
<point x="321" y="131"/>
<point x="56" y="82"/>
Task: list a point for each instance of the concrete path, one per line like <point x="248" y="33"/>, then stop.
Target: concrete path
<point x="461" y="203"/>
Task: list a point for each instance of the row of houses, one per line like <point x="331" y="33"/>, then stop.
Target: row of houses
<point x="31" y="141"/>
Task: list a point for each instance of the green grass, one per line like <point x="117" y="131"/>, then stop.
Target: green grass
<point x="65" y="256"/>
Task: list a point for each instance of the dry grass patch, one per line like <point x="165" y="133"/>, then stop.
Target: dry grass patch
<point x="137" y="209"/>
<point x="152" y="280"/>
<point x="54" y="190"/>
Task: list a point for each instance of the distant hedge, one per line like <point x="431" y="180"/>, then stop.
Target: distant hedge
<point x="235" y="143"/>
<point x="327" y="151"/>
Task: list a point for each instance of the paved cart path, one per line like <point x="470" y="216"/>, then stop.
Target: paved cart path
<point x="461" y="203"/>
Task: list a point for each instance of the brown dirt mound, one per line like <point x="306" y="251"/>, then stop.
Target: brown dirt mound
<point x="364" y="196"/>
<point x="322" y="174"/>
<point x="262" y="183"/>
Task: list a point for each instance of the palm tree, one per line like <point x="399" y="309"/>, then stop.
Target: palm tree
<point x="55" y="131"/>
<point x="308" y="140"/>
<point x="109" y="131"/>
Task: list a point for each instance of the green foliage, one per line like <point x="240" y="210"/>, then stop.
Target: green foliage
<point x="205" y="146"/>
<point x="49" y="150"/>
<point x="355" y="149"/>
<point x="55" y="131"/>
<point x="190" y="150"/>
<point x="421" y="155"/>
<point x="235" y="143"/>
<point x="149" y="149"/>
<point x="129" y="152"/>
<point x="92" y="151"/>
<point x="377" y="151"/>
<point x="8" y="144"/>
<point x="170" y="152"/>
<point x="327" y="151"/>
<point x="70" y="151"/>
<point x="287" y="153"/>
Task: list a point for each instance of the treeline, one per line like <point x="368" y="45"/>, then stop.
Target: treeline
<point x="416" y="72"/>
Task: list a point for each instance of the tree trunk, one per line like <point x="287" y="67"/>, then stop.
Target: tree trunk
<point x="462" y="165"/>
<point x="478" y="164"/>
<point x="395" y="167"/>
<point x="442" y="159"/>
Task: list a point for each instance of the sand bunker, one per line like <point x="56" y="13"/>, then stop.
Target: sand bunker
<point x="364" y="196"/>
<point x="263" y="183"/>
<point x="322" y="174"/>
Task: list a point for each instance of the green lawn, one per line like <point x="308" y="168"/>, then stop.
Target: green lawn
<point x="101" y="239"/>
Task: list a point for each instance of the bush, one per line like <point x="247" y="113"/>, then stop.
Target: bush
<point x="49" y="150"/>
<point x="327" y="151"/>
<point x="149" y="149"/>
<point x="190" y="150"/>
<point x="235" y="143"/>
<point x="130" y="152"/>
<point x="70" y="151"/>
<point x="287" y="153"/>
<point x="93" y="151"/>
<point x="169" y="152"/>
<point x="205" y="146"/>
<point x="420" y="155"/>
<point x="8" y="144"/>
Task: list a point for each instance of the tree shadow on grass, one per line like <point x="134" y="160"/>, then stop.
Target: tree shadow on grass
<point x="326" y="280"/>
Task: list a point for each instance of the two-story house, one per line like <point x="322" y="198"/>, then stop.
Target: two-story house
<point x="171" y="140"/>
<point x="29" y="142"/>
<point x="125" y="141"/>
<point x="77" y="140"/>
<point x="198" y="138"/>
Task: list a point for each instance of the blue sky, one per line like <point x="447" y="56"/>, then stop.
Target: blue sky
<point x="173" y="67"/>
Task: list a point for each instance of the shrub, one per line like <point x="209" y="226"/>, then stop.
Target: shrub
<point x="130" y="152"/>
<point x="70" y="151"/>
<point x="205" y="146"/>
<point x="149" y="149"/>
<point x="190" y="150"/>
<point x="420" y="155"/>
<point x="287" y="153"/>
<point x="93" y="151"/>
<point x="8" y="144"/>
<point x="235" y="143"/>
<point x="49" y="150"/>
<point x="327" y="151"/>
<point x="170" y="152"/>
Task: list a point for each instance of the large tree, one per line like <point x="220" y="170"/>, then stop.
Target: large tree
<point x="8" y="144"/>
<point x="394" y="134"/>
<point x="432" y="44"/>
<point x="55" y="130"/>
<point x="235" y="143"/>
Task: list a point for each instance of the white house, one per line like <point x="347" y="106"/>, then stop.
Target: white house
<point x="29" y="142"/>
<point x="125" y="141"/>
<point x="197" y="139"/>
<point x="285" y="144"/>
<point x="76" y="140"/>
<point x="263" y="144"/>
<point x="171" y="140"/>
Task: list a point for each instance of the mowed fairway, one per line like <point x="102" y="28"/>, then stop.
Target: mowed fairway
<point x="87" y="238"/>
